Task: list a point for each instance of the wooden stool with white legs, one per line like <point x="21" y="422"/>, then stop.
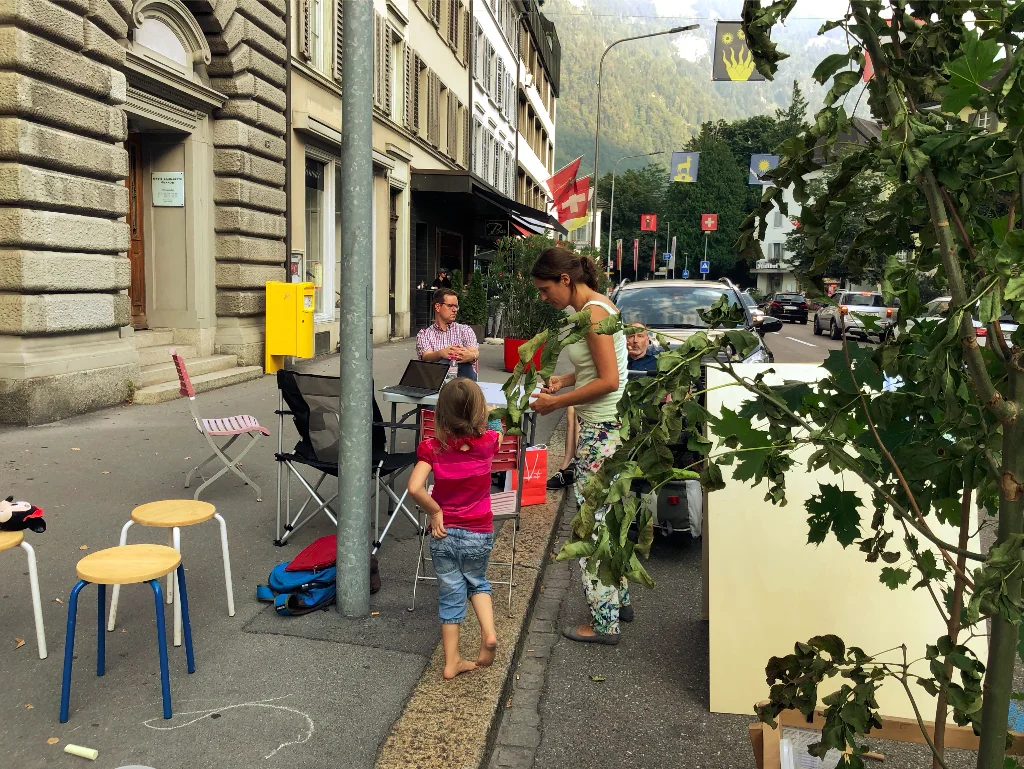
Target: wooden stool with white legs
<point x="12" y="539"/>
<point x="174" y="514"/>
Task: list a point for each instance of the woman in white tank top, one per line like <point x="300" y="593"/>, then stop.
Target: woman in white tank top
<point x="565" y="280"/>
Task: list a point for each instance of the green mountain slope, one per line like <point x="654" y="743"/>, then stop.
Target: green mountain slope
<point x="654" y="98"/>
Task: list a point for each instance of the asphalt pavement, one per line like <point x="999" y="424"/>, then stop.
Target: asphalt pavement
<point x="288" y="693"/>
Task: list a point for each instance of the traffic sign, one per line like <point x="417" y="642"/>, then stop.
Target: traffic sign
<point x="667" y="257"/>
<point x="705" y="267"/>
<point x="686" y="274"/>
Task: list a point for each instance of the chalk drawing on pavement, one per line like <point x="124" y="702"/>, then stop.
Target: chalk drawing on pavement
<point x="212" y="712"/>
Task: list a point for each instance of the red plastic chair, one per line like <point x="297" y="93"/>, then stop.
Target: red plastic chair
<point x="228" y="426"/>
<point x="505" y="505"/>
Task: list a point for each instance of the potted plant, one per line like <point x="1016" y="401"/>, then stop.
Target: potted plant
<point x="523" y="314"/>
<point x="473" y="305"/>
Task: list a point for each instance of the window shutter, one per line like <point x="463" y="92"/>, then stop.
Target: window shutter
<point x="416" y="98"/>
<point x="435" y="11"/>
<point x="499" y="90"/>
<point x="494" y="179"/>
<point x="407" y="91"/>
<point x="467" y="31"/>
<point x="304" y="37"/>
<point x="389" y="65"/>
<point x="453" y="22"/>
<point x="376" y="61"/>
<point x="476" y="52"/>
<point x="339" y="37"/>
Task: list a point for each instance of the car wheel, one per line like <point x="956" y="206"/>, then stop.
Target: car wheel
<point x="833" y="330"/>
<point x="817" y="329"/>
<point x="803" y="321"/>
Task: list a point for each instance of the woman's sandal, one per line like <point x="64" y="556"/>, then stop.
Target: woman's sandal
<point x="598" y="638"/>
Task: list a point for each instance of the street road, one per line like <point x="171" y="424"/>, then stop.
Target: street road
<point x="649" y="708"/>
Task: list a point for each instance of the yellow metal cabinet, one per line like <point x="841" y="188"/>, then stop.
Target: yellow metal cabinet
<point x="289" y="322"/>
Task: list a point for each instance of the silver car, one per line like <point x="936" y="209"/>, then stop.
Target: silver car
<point x="937" y="309"/>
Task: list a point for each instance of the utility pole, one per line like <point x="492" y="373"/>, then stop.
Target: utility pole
<point x="355" y="413"/>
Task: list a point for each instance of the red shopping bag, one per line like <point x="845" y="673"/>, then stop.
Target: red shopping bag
<point x="535" y="461"/>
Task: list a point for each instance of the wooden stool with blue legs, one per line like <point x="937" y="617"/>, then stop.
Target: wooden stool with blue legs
<point x="127" y="565"/>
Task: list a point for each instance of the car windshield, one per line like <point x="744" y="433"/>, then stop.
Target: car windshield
<point x="789" y="298"/>
<point x="939" y="308"/>
<point x="864" y="300"/>
<point x="669" y="306"/>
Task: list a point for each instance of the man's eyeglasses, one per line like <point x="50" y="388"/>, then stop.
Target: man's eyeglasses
<point x="454" y="307"/>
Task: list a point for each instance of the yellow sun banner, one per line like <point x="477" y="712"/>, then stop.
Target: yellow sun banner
<point x="733" y="60"/>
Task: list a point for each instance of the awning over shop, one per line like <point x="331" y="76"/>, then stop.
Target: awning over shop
<point x="488" y="205"/>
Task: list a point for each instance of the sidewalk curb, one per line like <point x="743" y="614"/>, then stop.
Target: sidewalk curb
<point x="516" y="718"/>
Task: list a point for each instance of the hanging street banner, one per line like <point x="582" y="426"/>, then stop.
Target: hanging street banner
<point x="563" y="179"/>
<point x="759" y="166"/>
<point x="733" y="60"/>
<point x="654" y="256"/>
<point x="672" y="251"/>
<point x="684" y="167"/>
<point x="618" y="254"/>
<point x="649" y="222"/>
<point x="636" y="255"/>
<point x="708" y="222"/>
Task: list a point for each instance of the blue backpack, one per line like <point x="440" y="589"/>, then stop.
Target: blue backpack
<point x="295" y="593"/>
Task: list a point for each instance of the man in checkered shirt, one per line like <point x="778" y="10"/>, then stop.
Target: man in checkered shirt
<point x="445" y="339"/>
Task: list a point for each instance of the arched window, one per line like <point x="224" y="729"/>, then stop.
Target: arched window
<point x="168" y="29"/>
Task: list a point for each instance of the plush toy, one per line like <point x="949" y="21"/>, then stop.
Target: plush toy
<point x="18" y="516"/>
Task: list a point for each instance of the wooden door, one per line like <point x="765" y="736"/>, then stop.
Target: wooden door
<point x="392" y="258"/>
<point x="136" y="252"/>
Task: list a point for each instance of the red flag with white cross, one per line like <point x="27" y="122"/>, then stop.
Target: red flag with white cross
<point x="708" y="222"/>
<point x="573" y="202"/>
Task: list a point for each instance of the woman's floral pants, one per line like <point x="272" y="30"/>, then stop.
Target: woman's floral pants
<point x="598" y="441"/>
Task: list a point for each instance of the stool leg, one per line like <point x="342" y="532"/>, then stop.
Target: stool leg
<point x="172" y="584"/>
<point x="101" y="637"/>
<point x="161" y="639"/>
<point x="116" y="592"/>
<point x="189" y="656"/>
<point x="228" y="584"/>
<point x="69" y="651"/>
<point x="37" y="606"/>
<point x="170" y="577"/>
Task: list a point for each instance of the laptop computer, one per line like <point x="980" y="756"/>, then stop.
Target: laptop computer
<point x="421" y="379"/>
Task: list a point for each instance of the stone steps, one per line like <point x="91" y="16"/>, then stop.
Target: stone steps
<point x="158" y="379"/>
<point x="158" y="373"/>
<point x="168" y="391"/>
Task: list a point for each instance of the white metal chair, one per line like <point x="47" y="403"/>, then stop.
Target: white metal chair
<point x="228" y="426"/>
<point x="12" y="539"/>
<point x="505" y="506"/>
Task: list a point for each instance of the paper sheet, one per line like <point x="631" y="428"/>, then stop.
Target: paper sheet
<point x="801" y="739"/>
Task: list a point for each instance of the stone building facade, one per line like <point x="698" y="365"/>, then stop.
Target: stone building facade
<point x="141" y="196"/>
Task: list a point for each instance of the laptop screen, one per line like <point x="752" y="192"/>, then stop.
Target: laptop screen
<point x="429" y="376"/>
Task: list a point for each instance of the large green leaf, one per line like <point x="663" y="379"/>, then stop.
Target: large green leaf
<point x="833" y="509"/>
<point x="969" y="72"/>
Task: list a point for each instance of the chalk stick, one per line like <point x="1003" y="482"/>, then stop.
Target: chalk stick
<point x="78" y="750"/>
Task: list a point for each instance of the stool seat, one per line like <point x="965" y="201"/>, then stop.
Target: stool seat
<point x="168" y="513"/>
<point x="9" y="539"/>
<point x="128" y="564"/>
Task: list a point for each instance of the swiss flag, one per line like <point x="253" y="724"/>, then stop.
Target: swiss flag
<point x="649" y="222"/>
<point x="573" y="202"/>
<point x="708" y="222"/>
<point x="563" y="179"/>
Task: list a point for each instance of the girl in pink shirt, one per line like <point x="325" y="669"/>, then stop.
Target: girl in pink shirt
<point x="461" y="522"/>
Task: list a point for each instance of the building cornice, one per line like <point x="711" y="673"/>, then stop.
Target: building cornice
<point x="162" y="111"/>
<point x="147" y="75"/>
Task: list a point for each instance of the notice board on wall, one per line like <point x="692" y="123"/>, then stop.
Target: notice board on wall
<point x="768" y="588"/>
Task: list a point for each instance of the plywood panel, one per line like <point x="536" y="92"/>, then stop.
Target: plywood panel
<point x="767" y="588"/>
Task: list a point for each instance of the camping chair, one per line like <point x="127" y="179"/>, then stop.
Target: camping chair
<point x="312" y="402"/>
<point x="229" y="426"/>
<point x="505" y="506"/>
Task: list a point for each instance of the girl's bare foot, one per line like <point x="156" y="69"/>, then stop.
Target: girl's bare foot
<point x="462" y="666"/>
<point x="487" y="650"/>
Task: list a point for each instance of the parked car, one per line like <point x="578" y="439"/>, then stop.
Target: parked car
<point x="671" y="306"/>
<point x="751" y="304"/>
<point x="937" y="309"/>
<point x="788" y="306"/>
<point x="850" y="306"/>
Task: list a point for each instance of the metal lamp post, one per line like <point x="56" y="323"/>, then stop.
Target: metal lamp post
<point x="611" y="206"/>
<point x="597" y="132"/>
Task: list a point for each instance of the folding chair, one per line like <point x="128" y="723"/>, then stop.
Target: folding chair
<point x="505" y="506"/>
<point x="229" y="426"/>
<point x="312" y="403"/>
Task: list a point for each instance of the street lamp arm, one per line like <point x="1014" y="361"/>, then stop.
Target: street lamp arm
<point x="597" y="132"/>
